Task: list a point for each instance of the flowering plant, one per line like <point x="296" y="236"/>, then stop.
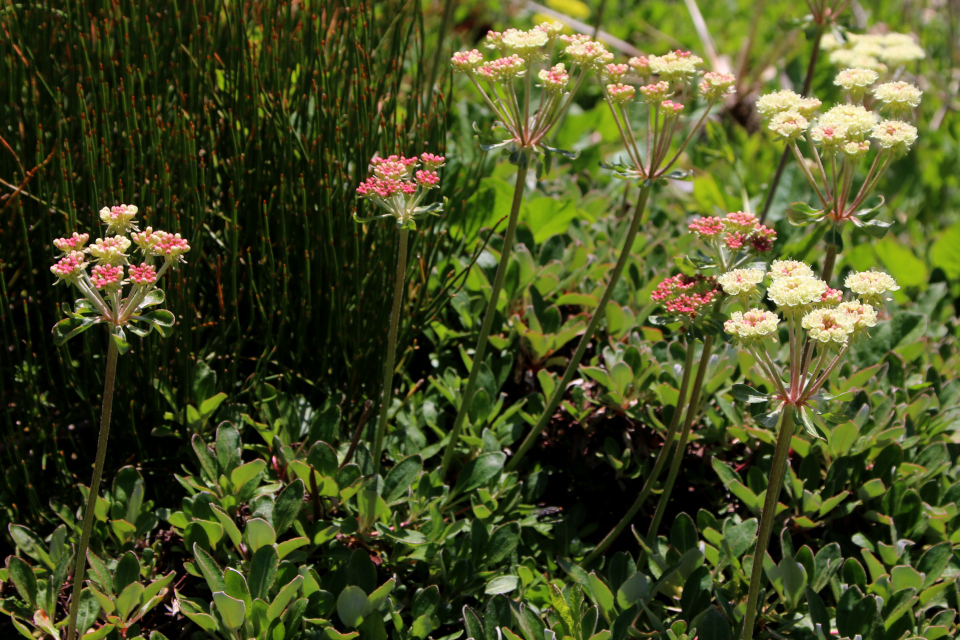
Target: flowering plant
<point x="670" y="79"/>
<point x="838" y="142"/>
<point x="820" y="329"/>
<point x="109" y="262"/>
<point x="103" y="302"/>
<point x="398" y="187"/>
<point x="525" y="56"/>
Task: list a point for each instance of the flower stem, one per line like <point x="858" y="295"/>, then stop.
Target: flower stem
<point x="657" y="465"/>
<point x="777" y="471"/>
<point x="386" y="393"/>
<point x="684" y="435"/>
<point x="572" y="366"/>
<point x="88" y="514"/>
<point x="488" y="317"/>
<point x="807" y="84"/>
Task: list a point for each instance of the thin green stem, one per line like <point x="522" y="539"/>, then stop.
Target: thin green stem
<point x="807" y="85"/>
<point x="88" y="513"/>
<point x="657" y="464"/>
<point x="386" y="394"/>
<point x="780" y="458"/>
<point x="684" y="435"/>
<point x="488" y="317"/>
<point x="572" y="366"/>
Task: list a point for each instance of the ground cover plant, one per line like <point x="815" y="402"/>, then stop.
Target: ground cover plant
<point x="597" y="320"/>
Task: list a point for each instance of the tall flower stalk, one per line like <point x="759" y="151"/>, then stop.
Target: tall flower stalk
<point x="506" y="85"/>
<point x="650" y="159"/>
<point x="103" y="302"/>
<point x="693" y="301"/>
<point x="398" y="188"/>
<point x="813" y="310"/>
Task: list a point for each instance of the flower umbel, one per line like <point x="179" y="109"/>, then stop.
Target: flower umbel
<point x="508" y="80"/>
<point x="398" y="187"/>
<point x="103" y="287"/>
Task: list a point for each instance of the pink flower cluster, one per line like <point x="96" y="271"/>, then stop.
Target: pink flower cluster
<point x="392" y="176"/>
<point x="144" y="274"/>
<point x="736" y="230"/>
<point x="467" y="60"/>
<point x="684" y="296"/>
<point x="105" y="275"/>
<point x="76" y="242"/>
<point x="656" y="92"/>
<point x="69" y="266"/>
<point x="171" y="246"/>
<point x="505" y="68"/>
<point x="160" y="243"/>
<point x="671" y="108"/>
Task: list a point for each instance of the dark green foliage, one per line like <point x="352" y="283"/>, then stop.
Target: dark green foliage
<point x="246" y="129"/>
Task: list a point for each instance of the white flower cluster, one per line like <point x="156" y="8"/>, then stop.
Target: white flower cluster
<point x="881" y="52"/>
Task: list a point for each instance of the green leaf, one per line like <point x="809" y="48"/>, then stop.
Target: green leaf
<point x="794" y="577"/>
<point x="162" y="319"/>
<point x="71" y="327"/>
<point x="287" y="506"/>
<point x="748" y="394"/>
<point x="263" y="571"/>
<point x="602" y="596"/>
<point x="229" y="526"/>
<point x="350" y="606"/>
<point x="247" y="472"/>
<point x="683" y="534"/>
<point x="127" y="571"/>
<point x="739" y="538"/>
<point x="425" y="602"/>
<point x="120" y="339"/>
<point x="818" y="612"/>
<point x="155" y="297"/>
<point x="697" y="593"/>
<point x="210" y="569"/>
<point x="501" y="584"/>
<point x="713" y="626"/>
<point x="236" y="587"/>
<point x="207" y="462"/>
<point x="401" y="478"/>
<point x="934" y="562"/>
<point x="376" y="599"/>
<point x="99" y="572"/>
<point x="945" y="252"/>
<point x="479" y="471"/>
<point x="129" y="599"/>
<point x="232" y="611"/>
<point x="634" y="589"/>
<point x="23" y="579"/>
<point x="502" y="542"/>
<point x="283" y="598"/>
<point x="906" y="578"/>
<point x="472" y="623"/>
<point x="28" y="542"/>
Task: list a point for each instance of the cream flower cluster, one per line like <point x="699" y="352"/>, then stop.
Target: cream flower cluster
<point x="741" y="282"/>
<point x="845" y="128"/>
<point x="871" y="285"/>
<point x="879" y="52"/>
<point x="796" y="294"/>
<point x="752" y="326"/>
<point x="800" y="295"/>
